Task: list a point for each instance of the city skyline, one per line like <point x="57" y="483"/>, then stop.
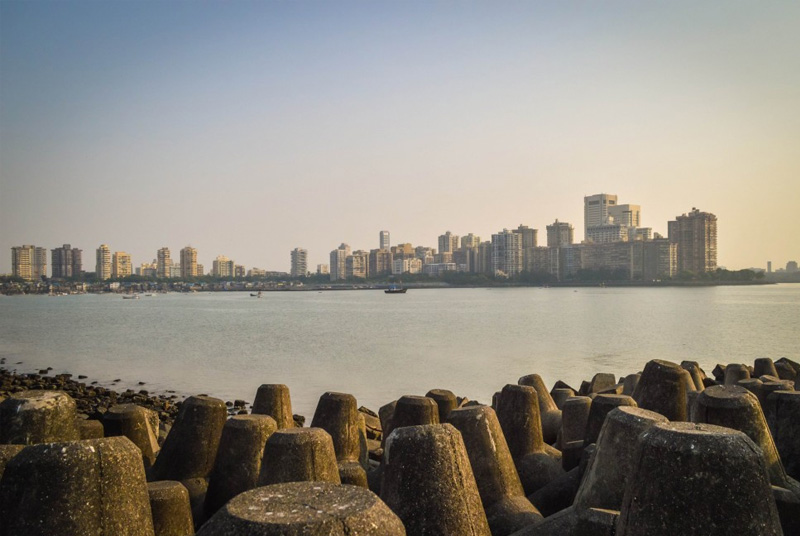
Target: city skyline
<point x="252" y="129"/>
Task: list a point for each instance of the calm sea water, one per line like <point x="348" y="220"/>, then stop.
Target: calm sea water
<point x="379" y="347"/>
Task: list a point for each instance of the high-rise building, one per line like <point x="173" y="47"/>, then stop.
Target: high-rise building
<point x="560" y="233"/>
<point x="791" y="267"/>
<point x="607" y="233"/>
<point x="384" y="240"/>
<point x="121" y="265"/>
<point x="470" y="241"/>
<point x="200" y="270"/>
<point x="696" y="236"/>
<point x="357" y="265"/>
<point x="223" y="267"/>
<point x="627" y="215"/>
<point x="29" y="262"/>
<point x="322" y="269"/>
<point x="339" y="262"/>
<point x="530" y="237"/>
<point x="66" y="261"/>
<point x="380" y="262"/>
<point x="188" y="263"/>
<point x="239" y="271"/>
<point x="448" y="242"/>
<point x="163" y="263"/>
<point x="147" y="269"/>
<point x="595" y="209"/>
<point x="103" y="264"/>
<point x="507" y="258"/>
<point x="299" y="262"/>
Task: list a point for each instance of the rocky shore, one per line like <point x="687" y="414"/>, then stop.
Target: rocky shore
<point x="663" y="451"/>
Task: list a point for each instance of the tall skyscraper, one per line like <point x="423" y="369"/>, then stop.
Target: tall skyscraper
<point x="507" y="255"/>
<point x="223" y="267"/>
<point x="338" y="266"/>
<point x="384" y="237"/>
<point x="163" y="263"/>
<point x="299" y="266"/>
<point x="448" y="242"/>
<point x="470" y="241"/>
<point x="357" y="265"/>
<point x="560" y="233"/>
<point x="121" y="265"/>
<point x="103" y="265"/>
<point x="66" y="261"/>
<point x="28" y="262"/>
<point x="188" y="262"/>
<point x="595" y="209"/>
<point x="696" y="236"/>
<point x="626" y="215"/>
<point x="530" y="237"/>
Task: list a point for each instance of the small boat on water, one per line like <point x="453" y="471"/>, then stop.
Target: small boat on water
<point x="130" y="297"/>
<point x="394" y="289"/>
<point x="255" y="295"/>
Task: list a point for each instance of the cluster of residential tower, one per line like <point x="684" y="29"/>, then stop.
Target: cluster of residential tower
<point x="614" y="240"/>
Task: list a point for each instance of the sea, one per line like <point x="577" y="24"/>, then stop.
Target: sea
<point x="378" y="347"/>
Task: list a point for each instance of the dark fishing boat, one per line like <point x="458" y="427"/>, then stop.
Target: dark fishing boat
<point x="394" y="289"/>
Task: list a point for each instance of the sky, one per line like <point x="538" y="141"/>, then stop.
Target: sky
<point x="247" y="129"/>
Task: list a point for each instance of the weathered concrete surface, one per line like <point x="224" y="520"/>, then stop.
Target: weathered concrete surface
<point x="298" y="455"/>
<point x="549" y="413"/>
<point x="601" y="406"/>
<point x="6" y="453"/>
<point x="191" y="446"/>
<point x="132" y="421"/>
<point x="428" y="482"/>
<point x="698" y="479"/>
<point x="273" y="399"/>
<point x="603" y="484"/>
<point x="304" y="509"/>
<point x="507" y="509"/>
<point x="33" y="417"/>
<point x="662" y="388"/>
<point x="783" y="417"/>
<point x="337" y="414"/>
<point x="445" y="400"/>
<point x="90" y="428"/>
<point x="95" y="487"/>
<point x="238" y="462"/>
<point x="172" y="514"/>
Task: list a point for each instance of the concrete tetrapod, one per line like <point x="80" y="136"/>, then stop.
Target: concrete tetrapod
<point x="131" y="421"/>
<point x="304" y="509"/>
<point x="33" y="417"/>
<point x="6" y="453"/>
<point x="518" y="413"/>
<point x="90" y="429"/>
<point x="735" y="372"/>
<point x="575" y="416"/>
<point x="299" y="455"/>
<point x="783" y="417"/>
<point x="737" y="408"/>
<point x="697" y="479"/>
<point x="337" y="414"/>
<point x="601" y="406"/>
<point x="428" y="482"/>
<point x="696" y="372"/>
<point x="549" y="413"/>
<point x="169" y="502"/>
<point x="238" y="462"/>
<point x="95" y="487"/>
<point x="507" y="509"/>
<point x="191" y="446"/>
<point x="273" y="399"/>
<point x="445" y="400"/>
<point x="764" y="366"/>
<point x="561" y="395"/>
<point x="662" y="388"/>
<point x="603" y="484"/>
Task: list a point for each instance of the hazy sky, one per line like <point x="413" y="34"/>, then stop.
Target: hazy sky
<point x="250" y="128"/>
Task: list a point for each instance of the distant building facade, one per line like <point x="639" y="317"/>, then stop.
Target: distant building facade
<point x="163" y="263"/>
<point x="223" y="267"/>
<point x="121" y="265"/>
<point x="448" y="242"/>
<point x="29" y="262"/>
<point x="338" y="268"/>
<point x="596" y="209"/>
<point x="299" y="262"/>
<point x="189" y="263"/>
<point x="560" y="233"/>
<point x="66" y="262"/>
<point x="695" y="234"/>
<point x="103" y="264"/>
<point x="384" y="240"/>
<point x="507" y="253"/>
